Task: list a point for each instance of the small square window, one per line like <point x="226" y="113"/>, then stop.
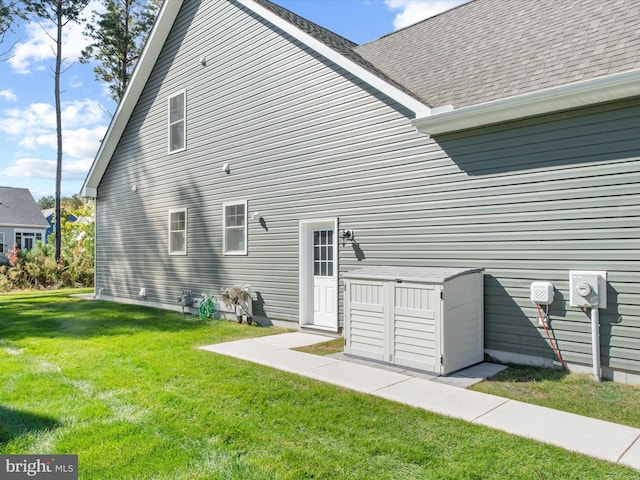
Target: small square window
<point x="177" y="122"/>
<point x="235" y="228"/>
<point x="178" y="232"/>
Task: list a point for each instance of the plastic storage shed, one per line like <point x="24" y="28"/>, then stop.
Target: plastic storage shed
<point x="430" y="319"/>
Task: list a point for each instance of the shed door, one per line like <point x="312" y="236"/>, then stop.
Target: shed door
<point x="416" y="326"/>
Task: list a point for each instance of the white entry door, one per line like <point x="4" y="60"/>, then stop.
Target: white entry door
<point x="324" y="279"/>
<point x="319" y="275"/>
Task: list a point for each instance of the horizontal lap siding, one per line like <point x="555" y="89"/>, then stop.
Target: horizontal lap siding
<point x="527" y="201"/>
<point x="280" y="117"/>
<point x="304" y="140"/>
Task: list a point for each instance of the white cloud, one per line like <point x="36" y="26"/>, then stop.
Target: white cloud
<point x="37" y="117"/>
<point x="8" y="95"/>
<point x="37" y="168"/>
<point x="413" y="11"/>
<point x="39" y="46"/>
<point x="81" y="143"/>
<point x="31" y="168"/>
<point x="40" y="118"/>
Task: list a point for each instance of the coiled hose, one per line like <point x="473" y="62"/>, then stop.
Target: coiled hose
<point x="209" y="308"/>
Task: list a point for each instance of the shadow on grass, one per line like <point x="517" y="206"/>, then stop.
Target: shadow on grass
<point x="528" y="374"/>
<point x="14" y="423"/>
<point x="52" y="317"/>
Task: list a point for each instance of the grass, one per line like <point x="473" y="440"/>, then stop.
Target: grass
<point x="571" y="392"/>
<point x="126" y="389"/>
<point x="335" y="345"/>
<point x="552" y="388"/>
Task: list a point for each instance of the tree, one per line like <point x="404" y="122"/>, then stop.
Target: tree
<point x="10" y="11"/>
<point x="60" y="13"/>
<point x="72" y="203"/>
<point x="118" y="36"/>
<point x="47" y="202"/>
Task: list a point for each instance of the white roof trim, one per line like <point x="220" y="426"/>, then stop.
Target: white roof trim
<point x="413" y="104"/>
<point x="574" y="95"/>
<point x="153" y="46"/>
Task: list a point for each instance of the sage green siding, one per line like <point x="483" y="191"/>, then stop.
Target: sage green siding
<point x="304" y="139"/>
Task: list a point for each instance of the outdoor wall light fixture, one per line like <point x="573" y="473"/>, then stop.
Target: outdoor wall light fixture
<point x="347" y="235"/>
<point x="256" y="216"/>
<point x="134" y="188"/>
<point x="226" y="168"/>
<point x="203" y="61"/>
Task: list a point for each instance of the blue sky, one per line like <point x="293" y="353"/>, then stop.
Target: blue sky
<point x="27" y="113"/>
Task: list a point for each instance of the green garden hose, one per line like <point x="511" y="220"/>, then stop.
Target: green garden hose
<point x="209" y="308"/>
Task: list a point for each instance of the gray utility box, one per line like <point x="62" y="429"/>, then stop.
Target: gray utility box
<point x="430" y="319"/>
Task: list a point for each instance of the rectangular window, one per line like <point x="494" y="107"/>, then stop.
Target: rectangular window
<point x="2" y="249"/>
<point x="235" y="228"/>
<point x="323" y="253"/>
<point x="178" y="232"/>
<point x="177" y="122"/>
<point x="27" y="240"/>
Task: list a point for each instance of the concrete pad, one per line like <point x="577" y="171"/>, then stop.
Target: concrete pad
<point x="482" y="370"/>
<point x="632" y="456"/>
<point x="472" y="375"/>
<point x="439" y="398"/>
<point x="355" y="377"/>
<point x="293" y="340"/>
<point x="292" y="361"/>
<point x="456" y="381"/>
<point x="589" y="436"/>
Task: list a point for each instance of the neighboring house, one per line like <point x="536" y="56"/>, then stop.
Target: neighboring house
<point x="498" y="135"/>
<point x="21" y="221"/>
<point x="49" y="214"/>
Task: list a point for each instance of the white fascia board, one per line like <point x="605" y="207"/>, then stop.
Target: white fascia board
<point x="419" y="108"/>
<point x="574" y="95"/>
<point x="153" y="47"/>
<point x="24" y="226"/>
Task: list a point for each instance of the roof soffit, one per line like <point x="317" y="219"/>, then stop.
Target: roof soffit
<point x="575" y="95"/>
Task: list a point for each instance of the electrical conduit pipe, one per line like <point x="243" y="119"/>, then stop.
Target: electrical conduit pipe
<point x="595" y="342"/>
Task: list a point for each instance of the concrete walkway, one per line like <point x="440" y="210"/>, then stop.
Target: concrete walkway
<point x="596" y="438"/>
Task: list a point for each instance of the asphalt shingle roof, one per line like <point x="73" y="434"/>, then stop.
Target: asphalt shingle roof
<point x="491" y="49"/>
<point x="338" y="43"/>
<point x="17" y="207"/>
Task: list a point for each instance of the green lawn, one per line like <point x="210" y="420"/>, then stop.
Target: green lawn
<point x="552" y="388"/>
<point x="127" y="390"/>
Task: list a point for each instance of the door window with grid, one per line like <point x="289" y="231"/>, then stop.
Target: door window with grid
<point x="323" y="253"/>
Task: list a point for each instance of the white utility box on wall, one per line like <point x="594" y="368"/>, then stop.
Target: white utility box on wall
<point x="588" y="289"/>
<point x="430" y="319"/>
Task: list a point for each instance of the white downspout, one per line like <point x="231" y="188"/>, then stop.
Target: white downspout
<point x="595" y="342"/>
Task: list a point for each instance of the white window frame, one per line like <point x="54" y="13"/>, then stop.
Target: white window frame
<point x="27" y="232"/>
<point x="183" y="120"/>
<point x="183" y="251"/>
<point x="224" y="228"/>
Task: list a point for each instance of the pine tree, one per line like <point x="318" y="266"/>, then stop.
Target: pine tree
<point x="10" y="12"/>
<point x="60" y="13"/>
<point x="118" y="35"/>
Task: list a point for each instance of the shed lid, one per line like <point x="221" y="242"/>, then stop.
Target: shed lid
<point x="411" y="274"/>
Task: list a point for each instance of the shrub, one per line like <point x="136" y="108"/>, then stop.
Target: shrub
<point x="38" y="268"/>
